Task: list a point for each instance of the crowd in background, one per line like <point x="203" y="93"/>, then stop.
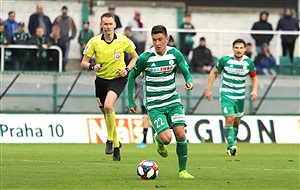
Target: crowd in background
<point x="44" y="33"/>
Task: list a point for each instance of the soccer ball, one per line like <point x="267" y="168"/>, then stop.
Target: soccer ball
<point x="147" y="169"/>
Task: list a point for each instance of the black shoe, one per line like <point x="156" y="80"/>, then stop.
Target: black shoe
<point x="116" y="155"/>
<point x="120" y="144"/>
<point x="109" y="149"/>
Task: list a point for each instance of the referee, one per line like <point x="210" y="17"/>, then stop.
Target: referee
<point x="111" y="72"/>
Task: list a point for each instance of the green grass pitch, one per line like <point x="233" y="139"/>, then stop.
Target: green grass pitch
<point x="85" y="166"/>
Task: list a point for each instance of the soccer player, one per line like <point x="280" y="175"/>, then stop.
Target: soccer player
<point x="234" y="68"/>
<point x="161" y="99"/>
<point x="111" y="72"/>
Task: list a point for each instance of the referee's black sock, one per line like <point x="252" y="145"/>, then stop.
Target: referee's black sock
<point x="145" y="135"/>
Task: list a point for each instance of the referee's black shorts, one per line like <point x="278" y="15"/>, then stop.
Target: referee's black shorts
<point x="103" y="86"/>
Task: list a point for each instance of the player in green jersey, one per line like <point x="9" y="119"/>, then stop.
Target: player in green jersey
<point x="111" y="72"/>
<point x="234" y="69"/>
<point x="161" y="99"/>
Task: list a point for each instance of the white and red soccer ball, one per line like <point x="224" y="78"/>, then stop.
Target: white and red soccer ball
<point x="147" y="169"/>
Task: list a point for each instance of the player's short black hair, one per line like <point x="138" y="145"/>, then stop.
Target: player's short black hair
<point x="237" y="41"/>
<point x="159" y="29"/>
<point x="107" y="15"/>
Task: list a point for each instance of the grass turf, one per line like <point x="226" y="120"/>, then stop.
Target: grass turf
<point x="85" y="166"/>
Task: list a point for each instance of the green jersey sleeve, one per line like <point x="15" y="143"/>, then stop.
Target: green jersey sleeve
<point x="220" y="64"/>
<point x="139" y="66"/>
<point x="251" y="65"/>
<point x="183" y="66"/>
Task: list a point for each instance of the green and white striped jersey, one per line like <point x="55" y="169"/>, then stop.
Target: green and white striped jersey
<point x="234" y="75"/>
<point x="159" y="77"/>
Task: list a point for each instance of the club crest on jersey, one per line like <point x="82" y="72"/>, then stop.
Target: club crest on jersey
<point x="117" y="56"/>
<point x="171" y="62"/>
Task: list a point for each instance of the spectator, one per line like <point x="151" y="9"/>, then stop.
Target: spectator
<point x="84" y="36"/>
<point x="10" y="25"/>
<point x="186" y="38"/>
<point x="139" y="35"/>
<point x="19" y="55"/>
<point x="128" y="34"/>
<point x="66" y="23"/>
<point x="53" y="55"/>
<point x="288" y="23"/>
<point x="3" y="35"/>
<point x="202" y="61"/>
<point x="4" y="40"/>
<point x="171" y="41"/>
<point x="39" y="56"/>
<point x="265" y="62"/>
<point x="248" y="51"/>
<point x="262" y="24"/>
<point x="38" y="19"/>
<point x="111" y="10"/>
<point x="1" y="22"/>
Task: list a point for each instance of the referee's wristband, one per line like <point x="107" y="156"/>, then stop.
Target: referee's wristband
<point x="91" y="66"/>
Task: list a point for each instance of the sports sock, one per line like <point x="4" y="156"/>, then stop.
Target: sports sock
<point x="229" y="134"/>
<point x="236" y="131"/>
<point x="158" y="140"/>
<point x="110" y="125"/>
<point x="145" y="131"/>
<point x="182" y="150"/>
<point x="115" y="138"/>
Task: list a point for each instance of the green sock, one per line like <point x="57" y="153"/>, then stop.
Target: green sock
<point x="158" y="140"/>
<point x="236" y="131"/>
<point x="110" y="124"/>
<point x="229" y="134"/>
<point x="182" y="150"/>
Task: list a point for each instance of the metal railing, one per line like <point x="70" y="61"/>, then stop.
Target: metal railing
<point x="73" y="92"/>
<point x="17" y="46"/>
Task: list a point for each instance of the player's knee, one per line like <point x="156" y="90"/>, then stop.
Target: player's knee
<point x="237" y="122"/>
<point x="108" y="108"/>
<point x="180" y="136"/>
<point x="166" y="138"/>
<point x="229" y="120"/>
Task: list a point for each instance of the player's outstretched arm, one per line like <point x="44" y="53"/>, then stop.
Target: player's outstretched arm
<point x="211" y="78"/>
<point x="254" y="89"/>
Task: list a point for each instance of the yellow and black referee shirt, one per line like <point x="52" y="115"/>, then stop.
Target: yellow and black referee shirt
<point x="110" y="55"/>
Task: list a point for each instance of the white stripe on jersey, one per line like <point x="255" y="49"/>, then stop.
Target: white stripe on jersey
<point x="161" y="58"/>
<point x="159" y="79"/>
<point x="164" y="97"/>
<point x="235" y="97"/>
<point x="159" y="89"/>
<point x="235" y="62"/>
<point x="234" y="77"/>
<point x="232" y="90"/>
<point x="234" y="85"/>
<point x="164" y="104"/>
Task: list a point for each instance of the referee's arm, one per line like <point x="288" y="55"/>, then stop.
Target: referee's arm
<point x="85" y="64"/>
<point x="132" y="62"/>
